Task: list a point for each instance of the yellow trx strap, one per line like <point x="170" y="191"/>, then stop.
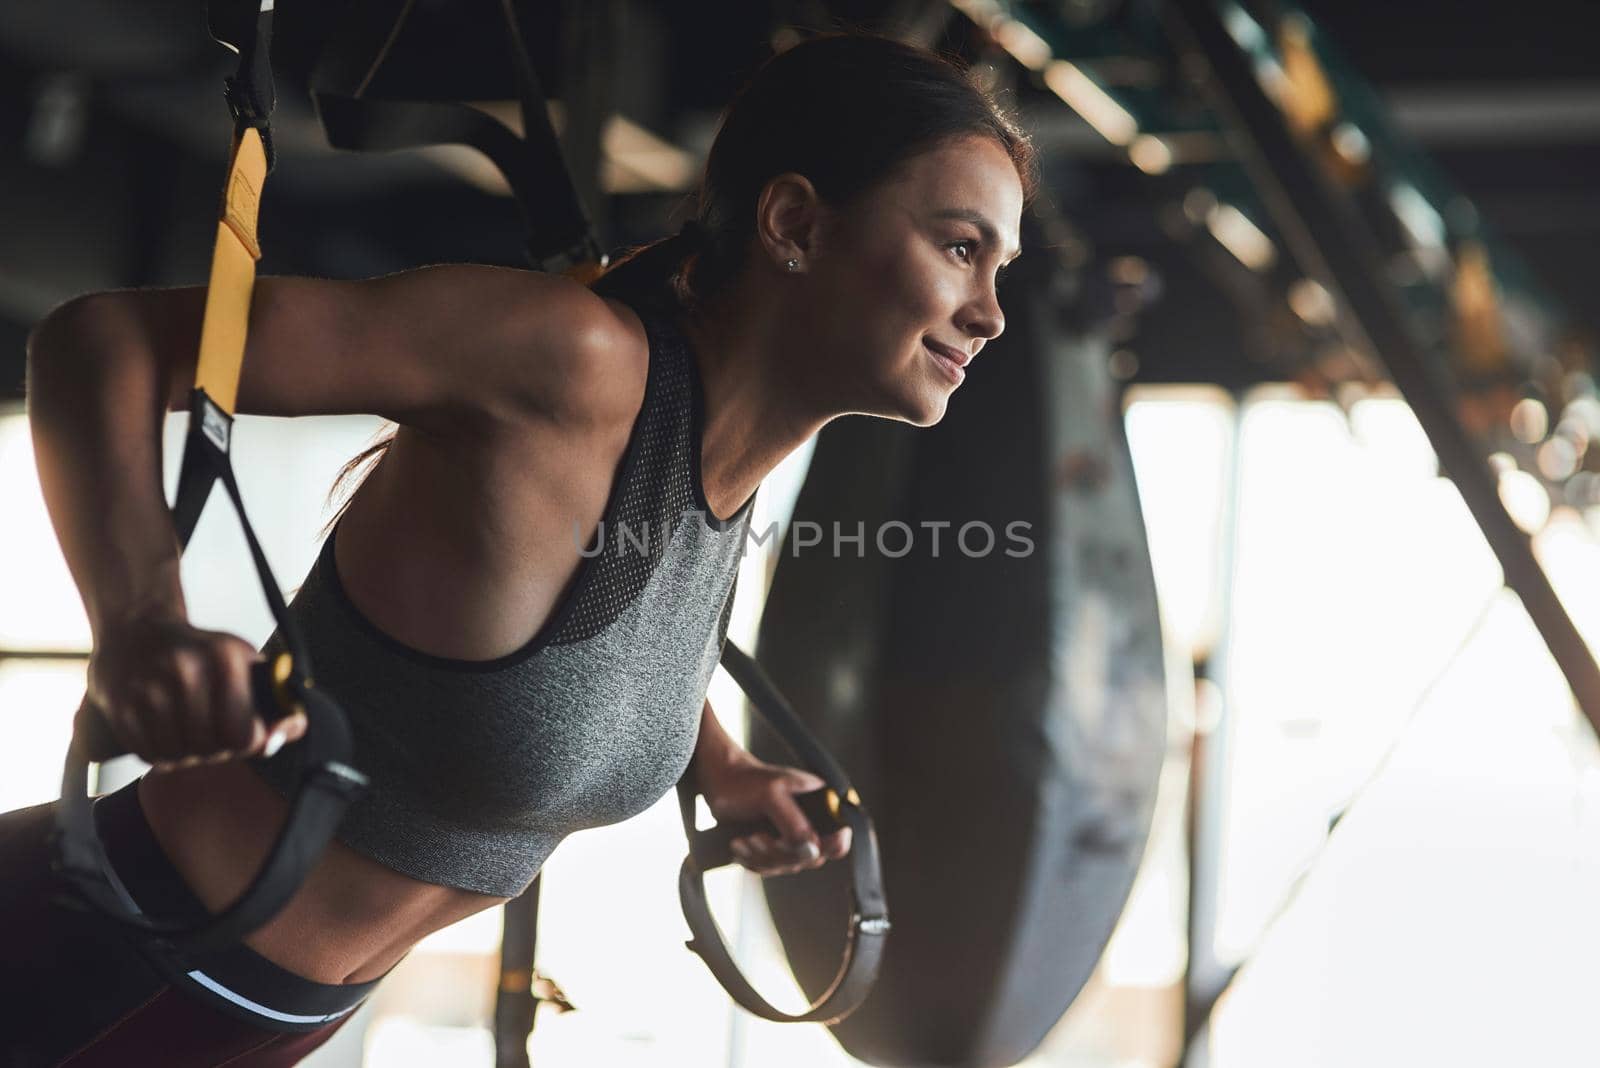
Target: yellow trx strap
<point x="233" y="274"/>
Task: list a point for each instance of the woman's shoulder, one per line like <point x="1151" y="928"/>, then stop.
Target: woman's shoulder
<point x="576" y="354"/>
<point x="615" y="357"/>
<point x="622" y="328"/>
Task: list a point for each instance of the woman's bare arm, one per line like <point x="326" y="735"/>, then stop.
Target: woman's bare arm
<point x="443" y="349"/>
<point x="446" y="350"/>
<point x="96" y="398"/>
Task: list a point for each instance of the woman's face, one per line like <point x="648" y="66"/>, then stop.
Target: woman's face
<point x="912" y="266"/>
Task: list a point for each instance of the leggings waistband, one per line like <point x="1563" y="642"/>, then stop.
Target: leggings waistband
<point x="237" y="980"/>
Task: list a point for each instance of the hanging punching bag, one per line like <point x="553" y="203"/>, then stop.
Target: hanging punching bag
<point x="986" y="660"/>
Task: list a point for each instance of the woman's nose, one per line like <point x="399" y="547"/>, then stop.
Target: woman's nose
<point x="985" y="321"/>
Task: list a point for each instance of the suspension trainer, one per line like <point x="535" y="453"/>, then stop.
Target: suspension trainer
<point x="283" y="686"/>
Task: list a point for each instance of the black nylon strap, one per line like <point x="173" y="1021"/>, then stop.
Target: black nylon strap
<point x="777" y="711"/>
<point x="515" y="1005"/>
<point x="869" y="916"/>
<point x="246" y="27"/>
<point x="205" y="463"/>
<point x="558" y="228"/>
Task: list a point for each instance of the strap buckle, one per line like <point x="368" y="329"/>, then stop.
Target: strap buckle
<point x="339" y="779"/>
<point x="872" y="925"/>
<point x="247" y="111"/>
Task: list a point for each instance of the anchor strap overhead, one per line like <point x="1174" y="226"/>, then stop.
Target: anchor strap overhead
<point x="559" y="234"/>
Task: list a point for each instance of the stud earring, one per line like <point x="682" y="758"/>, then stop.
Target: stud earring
<point x="793" y="265"/>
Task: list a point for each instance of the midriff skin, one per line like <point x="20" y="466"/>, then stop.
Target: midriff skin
<point x="483" y="537"/>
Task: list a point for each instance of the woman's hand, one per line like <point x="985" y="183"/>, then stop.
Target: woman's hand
<point x="739" y="788"/>
<point x="175" y="695"/>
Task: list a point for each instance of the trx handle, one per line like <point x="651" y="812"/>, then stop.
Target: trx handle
<point x="869" y="914"/>
<point x="711" y="848"/>
<point x="326" y="786"/>
<point x="325" y="783"/>
<point x="270" y="695"/>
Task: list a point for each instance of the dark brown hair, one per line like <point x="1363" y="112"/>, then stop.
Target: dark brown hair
<point x="848" y="111"/>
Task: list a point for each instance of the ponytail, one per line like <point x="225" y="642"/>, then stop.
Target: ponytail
<point x="659" y="272"/>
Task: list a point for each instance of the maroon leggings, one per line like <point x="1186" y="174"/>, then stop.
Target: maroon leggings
<point x="76" y="991"/>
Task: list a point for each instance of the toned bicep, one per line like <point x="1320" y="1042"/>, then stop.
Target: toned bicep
<point x="424" y="346"/>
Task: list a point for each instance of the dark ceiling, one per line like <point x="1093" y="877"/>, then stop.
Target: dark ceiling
<point x="114" y="129"/>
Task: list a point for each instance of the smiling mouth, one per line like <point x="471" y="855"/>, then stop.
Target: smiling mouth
<point x="952" y="369"/>
<point x="960" y="359"/>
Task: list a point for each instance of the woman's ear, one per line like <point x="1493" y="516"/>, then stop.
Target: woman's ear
<point x="787" y="216"/>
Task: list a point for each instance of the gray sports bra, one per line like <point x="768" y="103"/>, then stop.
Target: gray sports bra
<point x="479" y="768"/>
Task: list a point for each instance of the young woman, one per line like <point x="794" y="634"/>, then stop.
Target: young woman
<point x="524" y="600"/>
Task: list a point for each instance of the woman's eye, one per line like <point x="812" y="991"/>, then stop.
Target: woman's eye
<point x="968" y="245"/>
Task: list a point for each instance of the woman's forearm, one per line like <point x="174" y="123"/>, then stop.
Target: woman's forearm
<point x="713" y="748"/>
<point x="96" y="403"/>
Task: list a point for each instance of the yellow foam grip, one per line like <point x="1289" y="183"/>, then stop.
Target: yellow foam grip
<point x="233" y="275"/>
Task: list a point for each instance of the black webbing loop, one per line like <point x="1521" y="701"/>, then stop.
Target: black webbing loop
<point x="205" y="463"/>
<point x="869" y="914"/>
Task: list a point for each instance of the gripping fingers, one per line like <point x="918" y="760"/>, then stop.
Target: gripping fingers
<point x="238" y="727"/>
<point x="154" y="722"/>
<point x="290" y="728"/>
<point x="126" y="723"/>
<point x="766" y="854"/>
<point x="201" y="711"/>
<point x="192" y="705"/>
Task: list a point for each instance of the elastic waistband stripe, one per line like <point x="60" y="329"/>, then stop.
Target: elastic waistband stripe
<point x="260" y="1010"/>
